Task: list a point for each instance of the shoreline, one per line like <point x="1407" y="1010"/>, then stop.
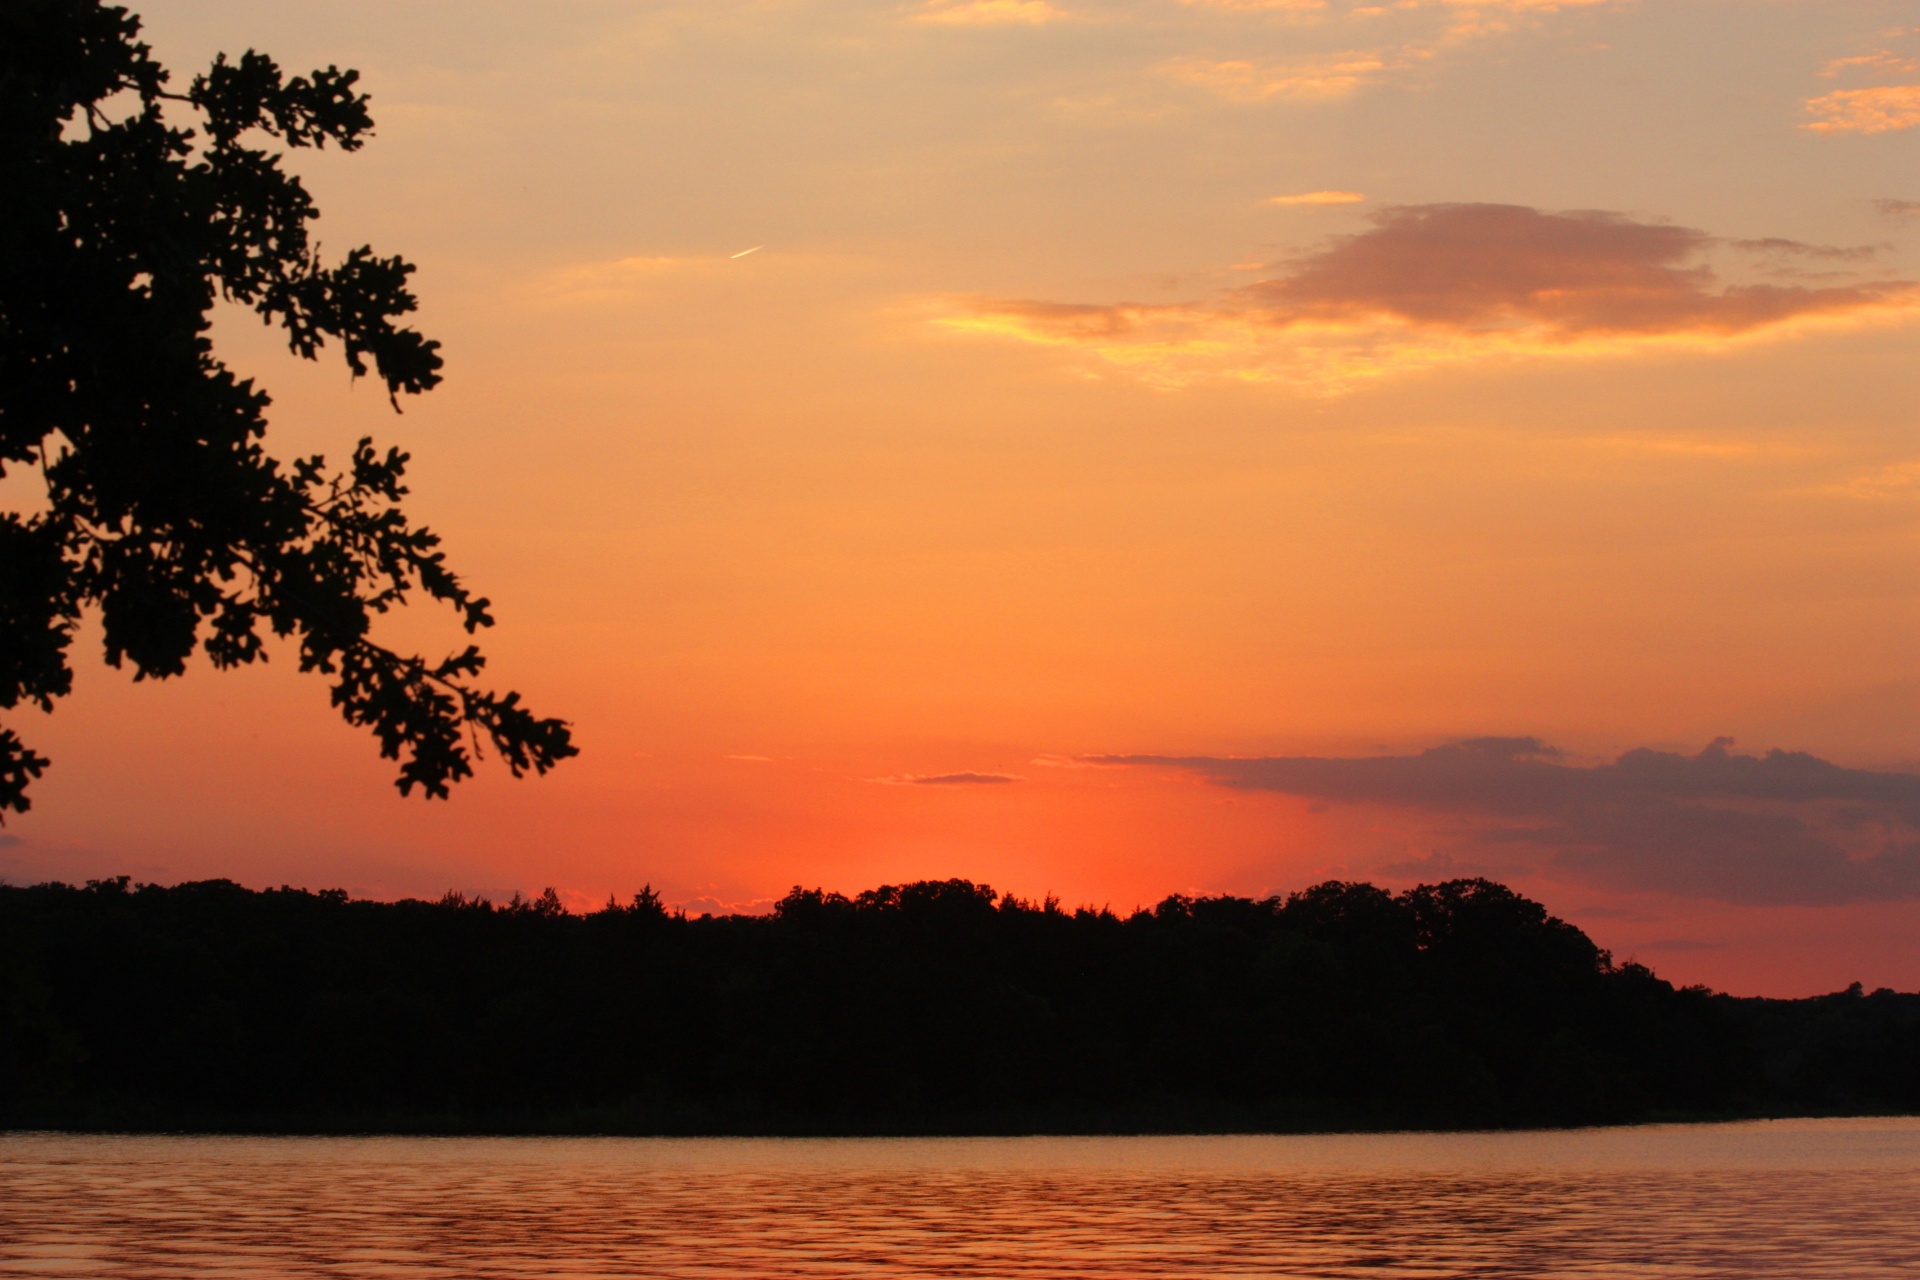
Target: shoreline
<point x="585" y="1126"/>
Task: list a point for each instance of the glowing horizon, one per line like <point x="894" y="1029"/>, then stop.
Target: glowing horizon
<point x="938" y="439"/>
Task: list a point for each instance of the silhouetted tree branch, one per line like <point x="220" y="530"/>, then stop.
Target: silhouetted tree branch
<point x="118" y="233"/>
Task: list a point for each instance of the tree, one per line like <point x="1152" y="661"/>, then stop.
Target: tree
<point x="119" y="231"/>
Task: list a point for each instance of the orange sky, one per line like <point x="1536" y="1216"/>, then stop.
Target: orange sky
<point x="1118" y="378"/>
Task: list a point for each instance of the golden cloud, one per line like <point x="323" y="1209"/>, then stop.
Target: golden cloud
<point x="987" y="12"/>
<point x="1319" y="197"/>
<point x="1533" y="6"/>
<point x="1439" y="284"/>
<point x="1880" y="60"/>
<point x="1296" y="6"/>
<point x="1333" y="76"/>
<point x="1428" y="28"/>
<point x="1373" y="8"/>
<point x="1882" y="109"/>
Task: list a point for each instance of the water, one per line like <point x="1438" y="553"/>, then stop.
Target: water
<point x="1796" y="1199"/>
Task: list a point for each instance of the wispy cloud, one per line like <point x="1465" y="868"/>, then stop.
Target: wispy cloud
<point x="987" y="12"/>
<point x="1382" y="39"/>
<point x="1319" y="198"/>
<point x="1257" y="6"/>
<point x="1882" y="109"/>
<point x="608" y="279"/>
<point x="1520" y="6"/>
<point x="967" y="779"/>
<point x="1779" y="247"/>
<point x="1785" y="827"/>
<point x="1377" y="8"/>
<point x="1307" y="79"/>
<point x="603" y="281"/>
<point x="620" y="280"/>
<point x="1880" y="60"/>
<point x="1893" y="482"/>
<point x="708" y="904"/>
<point x="1434" y="284"/>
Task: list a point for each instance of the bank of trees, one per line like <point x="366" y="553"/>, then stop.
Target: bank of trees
<point x="930" y="1007"/>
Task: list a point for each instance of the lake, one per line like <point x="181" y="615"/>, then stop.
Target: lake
<point x="1792" y="1199"/>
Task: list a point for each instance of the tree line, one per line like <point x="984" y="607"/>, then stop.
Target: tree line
<point x="932" y="1007"/>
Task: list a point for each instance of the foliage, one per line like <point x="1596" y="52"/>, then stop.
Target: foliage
<point x="119" y="232"/>
<point x="929" y="1007"/>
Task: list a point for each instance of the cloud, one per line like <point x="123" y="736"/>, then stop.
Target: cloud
<point x="1898" y="208"/>
<point x="1319" y="198"/>
<point x="1522" y="6"/>
<point x="1441" y="283"/>
<point x="1063" y="762"/>
<point x="1291" y="6"/>
<point x="968" y="779"/>
<point x="1880" y="60"/>
<point x="987" y="12"/>
<point x="1396" y="36"/>
<point x="710" y="905"/>
<point x="610" y="280"/>
<point x="1783" y="828"/>
<point x="1776" y="247"/>
<point x="1307" y="79"/>
<point x="1882" y="109"/>
<point x="1894" y="481"/>
<point x="1374" y="8"/>
<point x="1502" y="268"/>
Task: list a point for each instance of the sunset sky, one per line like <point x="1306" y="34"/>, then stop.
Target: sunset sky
<point x="1117" y="447"/>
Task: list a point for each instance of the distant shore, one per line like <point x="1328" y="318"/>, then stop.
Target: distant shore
<point x="935" y="1008"/>
<point x="617" y="1123"/>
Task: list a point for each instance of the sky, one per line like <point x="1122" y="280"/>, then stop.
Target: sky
<point x="1112" y="448"/>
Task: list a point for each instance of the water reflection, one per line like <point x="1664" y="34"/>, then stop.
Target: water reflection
<point x="1800" y="1199"/>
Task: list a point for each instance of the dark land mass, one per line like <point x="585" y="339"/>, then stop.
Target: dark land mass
<point x="926" y="1008"/>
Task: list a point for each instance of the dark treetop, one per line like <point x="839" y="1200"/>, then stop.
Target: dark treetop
<point x="119" y="231"/>
<point x="931" y="1007"/>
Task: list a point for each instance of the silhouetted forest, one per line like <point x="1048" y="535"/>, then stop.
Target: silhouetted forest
<point x="930" y="1007"/>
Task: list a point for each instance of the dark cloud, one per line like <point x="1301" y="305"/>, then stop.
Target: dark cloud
<point x="1433" y="284"/>
<point x="1786" y="827"/>
<point x="1566" y="275"/>
<point x="1898" y="208"/>
<point x="1777" y="247"/>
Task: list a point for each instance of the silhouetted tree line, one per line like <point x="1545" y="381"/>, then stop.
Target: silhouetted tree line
<point x="928" y="1007"/>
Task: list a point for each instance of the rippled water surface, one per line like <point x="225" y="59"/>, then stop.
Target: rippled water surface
<point x="1788" y="1199"/>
